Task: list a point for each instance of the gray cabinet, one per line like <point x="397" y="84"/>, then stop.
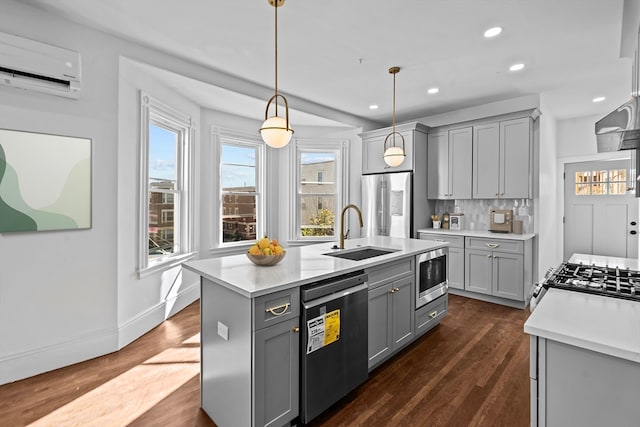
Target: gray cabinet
<point x="449" y="164"/>
<point x="502" y="159"/>
<point x="429" y="315"/>
<point x="391" y="309"/>
<point x="415" y="138"/>
<point x="455" y="260"/>
<point x="249" y="356"/>
<point x="495" y="267"/>
<point x="276" y="373"/>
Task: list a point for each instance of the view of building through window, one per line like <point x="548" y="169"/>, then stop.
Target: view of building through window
<point x="163" y="145"/>
<point x="601" y="182"/>
<point x="317" y="194"/>
<point x="239" y="192"/>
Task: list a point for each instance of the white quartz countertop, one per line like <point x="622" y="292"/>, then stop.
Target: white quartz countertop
<point x="478" y="233"/>
<point x="301" y="265"/>
<point x="599" y="323"/>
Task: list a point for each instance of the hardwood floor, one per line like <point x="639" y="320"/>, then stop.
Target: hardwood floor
<point x="471" y="370"/>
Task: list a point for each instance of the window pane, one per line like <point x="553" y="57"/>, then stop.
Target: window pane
<point x="583" y="177"/>
<point x="599" y="189"/>
<point x="583" y="189"/>
<point x="238" y="217"/>
<point x="318" y="173"/>
<point x="238" y="178"/>
<point x="317" y="217"/>
<point x="162" y="154"/>
<point x="599" y="176"/>
<point x="238" y="168"/>
<point x="619" y="175"/>
<point x="618" y="188"/>
<point x="161" y="225"/>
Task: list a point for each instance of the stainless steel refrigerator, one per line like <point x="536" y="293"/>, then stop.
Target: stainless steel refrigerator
<point x="387" y="203"/>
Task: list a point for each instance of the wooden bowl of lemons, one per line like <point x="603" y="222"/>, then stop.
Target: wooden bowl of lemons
<point x="266" y="252"/>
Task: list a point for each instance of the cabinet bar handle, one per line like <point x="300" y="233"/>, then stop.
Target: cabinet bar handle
<point x="434" y="314"/>
<point x="279" y="310"/>
<point x="492" y="245"/>
<point x="438" y="240"/>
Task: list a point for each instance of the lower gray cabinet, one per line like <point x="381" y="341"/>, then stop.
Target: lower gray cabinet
<point x="276" y="374"/>
<point x="429" y="315"/>
<point x="499" y="271"/>
<point x="391" y="318"/>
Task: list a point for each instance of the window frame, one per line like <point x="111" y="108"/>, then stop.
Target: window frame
<point x="341" y="149"/>
<point x="153" y="111"/>
<point x="220" y="137"/>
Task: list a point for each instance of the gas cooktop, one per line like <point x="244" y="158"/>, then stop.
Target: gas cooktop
<point x="607" y="281"/>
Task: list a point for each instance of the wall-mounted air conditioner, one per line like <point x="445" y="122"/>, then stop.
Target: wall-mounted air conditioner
<point x="40" y="67"/>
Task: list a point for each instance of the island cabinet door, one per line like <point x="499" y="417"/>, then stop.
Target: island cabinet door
<point x="380" y="344"/>
<point x="276" y="373"/>
<point x="402" y="311"/>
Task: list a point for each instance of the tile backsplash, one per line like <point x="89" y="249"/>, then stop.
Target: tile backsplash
<point x="476" y="212"/>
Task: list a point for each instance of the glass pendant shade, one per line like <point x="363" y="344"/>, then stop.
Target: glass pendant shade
<point x="275" y="132"/>
<point x="394" y="156"/>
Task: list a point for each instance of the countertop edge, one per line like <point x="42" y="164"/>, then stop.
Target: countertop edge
<point x="478" y="233"/>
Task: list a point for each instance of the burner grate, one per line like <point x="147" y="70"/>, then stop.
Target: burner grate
<point x="599" y="280"/>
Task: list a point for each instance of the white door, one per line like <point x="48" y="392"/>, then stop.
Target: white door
<point x="601" y="212"/>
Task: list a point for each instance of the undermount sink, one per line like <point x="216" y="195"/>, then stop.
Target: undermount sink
<point x="361" y="253"/>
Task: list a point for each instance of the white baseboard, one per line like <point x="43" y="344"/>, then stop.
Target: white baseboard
<point x="144" y="322"/>
<point x="26" y="364"/>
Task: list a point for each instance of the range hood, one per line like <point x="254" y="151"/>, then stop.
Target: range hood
<point x="620" y="129"/>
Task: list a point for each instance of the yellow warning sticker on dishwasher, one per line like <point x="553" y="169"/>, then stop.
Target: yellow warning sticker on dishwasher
<point x="323" y="330"/>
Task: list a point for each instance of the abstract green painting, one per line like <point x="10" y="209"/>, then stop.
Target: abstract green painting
<point x="45" y="182"/>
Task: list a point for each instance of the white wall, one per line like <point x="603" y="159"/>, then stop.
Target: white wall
<point x="577" y="143"/>
<point x="67" y="296"/>
<point x="547" y="222"/>
<point x="57" y="289"/>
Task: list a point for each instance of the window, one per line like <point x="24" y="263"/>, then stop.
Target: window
<point x="319" y="187"/>
<point x="241" y="188"/>
<point x="165" y="211"/>
<point x="601" y="182"/>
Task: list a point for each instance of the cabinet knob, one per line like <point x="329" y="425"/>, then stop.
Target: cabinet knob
<point x="497" y="194"/>
<point x="296" y="329"/>
<point x="392" y="291"/>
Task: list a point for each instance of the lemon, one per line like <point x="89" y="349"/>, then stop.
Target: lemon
<point x="264" y="242"/>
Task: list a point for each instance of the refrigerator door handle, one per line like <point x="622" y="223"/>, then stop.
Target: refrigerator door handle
<point x="383" y="204"/>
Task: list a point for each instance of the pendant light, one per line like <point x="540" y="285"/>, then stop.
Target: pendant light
<point x="394" y="154"/>
<point x="276" y="131"/>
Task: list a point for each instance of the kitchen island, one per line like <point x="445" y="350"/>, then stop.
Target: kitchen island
<point x="250" y="322"/>
<point x="585" y="356"/>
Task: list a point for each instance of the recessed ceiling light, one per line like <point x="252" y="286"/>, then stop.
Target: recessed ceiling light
<point x="492" y="32"/>
<point x="373" y="107"/>
<point x="433" y="90"/>
<point x="599" y="99"/>
<point x="516" y="67"/>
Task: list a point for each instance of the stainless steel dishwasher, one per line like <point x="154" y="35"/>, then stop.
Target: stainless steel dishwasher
<point x="334" y="341"/>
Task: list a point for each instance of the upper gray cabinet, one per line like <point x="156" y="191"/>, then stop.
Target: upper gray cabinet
<point x="502" y="159"/>
<point x="415" y="140"/>
<point x="449" y="164"/>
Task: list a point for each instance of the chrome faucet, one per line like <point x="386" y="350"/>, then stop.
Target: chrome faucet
<point x="344" y="210"/>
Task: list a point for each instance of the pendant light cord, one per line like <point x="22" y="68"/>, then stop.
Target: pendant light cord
<point x="393" y="120"/>
<point x="276" y="50"/>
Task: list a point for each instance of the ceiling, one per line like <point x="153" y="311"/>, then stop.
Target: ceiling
<point x="337" y="53"/>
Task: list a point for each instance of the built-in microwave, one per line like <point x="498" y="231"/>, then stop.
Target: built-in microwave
<point x="431" y="276"/>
